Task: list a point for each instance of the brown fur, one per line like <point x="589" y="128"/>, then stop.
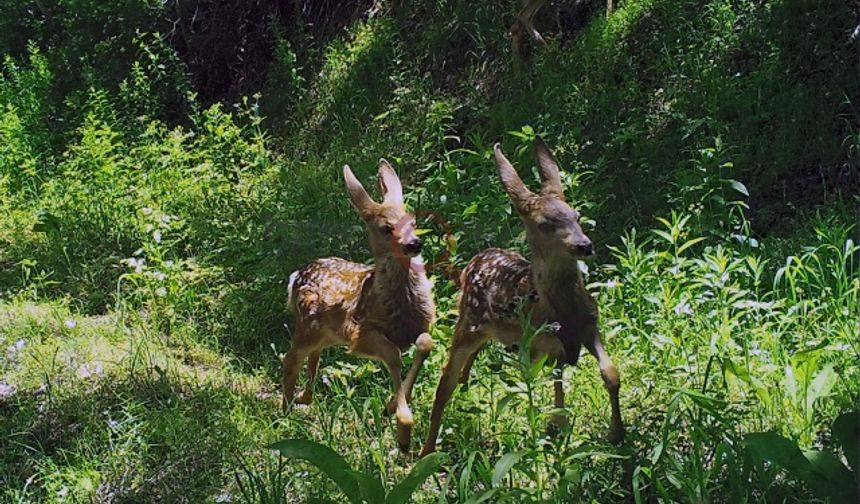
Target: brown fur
<point x="375" y="311"/>
<point x="550" y="291"/>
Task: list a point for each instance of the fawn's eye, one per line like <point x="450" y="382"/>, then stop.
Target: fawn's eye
<point x="546" y="226"/>
<point x="386" y="228"/>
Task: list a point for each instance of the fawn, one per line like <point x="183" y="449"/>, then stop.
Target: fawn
<point x="550" y="291"/>
<point x="376" y="311"/>
<point x="525" y="22"/>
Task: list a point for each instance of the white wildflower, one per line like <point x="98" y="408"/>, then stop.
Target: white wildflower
<point x="63" y="492"/>
<point x="683" y="308"/>
<point x="326" y="380"/>
<point x="157" y="236"/>
<point x="14" y="349"/>
<point x="224" y="497"/>
<point x="611" y="284"/>
<point x="146" y="210"/>
<point x="582" y="267"/>
<point x="6" y="390"/>
<point x="161" y="292"/>
<point x="113" y="424"/>
<point x="159" y="276"/>
<point x="70" y="323"/>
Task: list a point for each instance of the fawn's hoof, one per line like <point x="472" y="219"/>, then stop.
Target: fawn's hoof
<point x="304" y="398"/>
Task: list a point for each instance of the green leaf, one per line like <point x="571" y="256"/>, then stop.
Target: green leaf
<point x="503" y="403"/>
<point x="846" y="430"/>
<point x="830" y="477"/>
<point x="482" y="496"/>
<point x="504" y="465"/>
<point x="326" y="460"/>
<point x="370" y="485"/>
<point x="690" y="243"/>
<point x="428" y="465"/>
<point x="780" y="451"/>
<point x="820" y="386"/>
<point x="737" y="186"/>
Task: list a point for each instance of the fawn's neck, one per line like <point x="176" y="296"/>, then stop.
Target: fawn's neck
<point x="558" y="281"/>
<point x="393" y="275"/>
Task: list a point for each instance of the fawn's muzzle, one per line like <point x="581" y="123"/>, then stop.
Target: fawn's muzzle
<point x="584" y="249"/>
<point x="413" y="248"/>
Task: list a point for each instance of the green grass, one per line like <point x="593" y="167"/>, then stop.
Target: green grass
<point x="105" y="405"/>
<point x="147" y="234"/>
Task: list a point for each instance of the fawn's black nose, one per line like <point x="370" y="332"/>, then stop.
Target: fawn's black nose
<point x="413" y="247"/>
<point x="586" y="249"/>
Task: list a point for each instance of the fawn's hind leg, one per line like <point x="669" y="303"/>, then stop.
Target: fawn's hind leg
<point x="290" y="369"/>
<point x="306" y="396"/>
<point x="305" y="343"/>
<point x="464" y="345"/>
<point x="467" y="367"/>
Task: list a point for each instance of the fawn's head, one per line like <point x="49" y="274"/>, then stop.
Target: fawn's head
<point x="391" y="227"/>
<point x="552" y="226"/>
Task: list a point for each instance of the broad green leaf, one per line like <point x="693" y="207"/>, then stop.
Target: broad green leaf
<point x="778" y="450"/>
<point x="428" y="465"/>
<point x="326" y="460"/>
<point x="504" y="465"/>
<point x="820" y="386"/>
<point x="830" y="477"/>
<point x="370" y="486"/>
<point x="846" y="430"/>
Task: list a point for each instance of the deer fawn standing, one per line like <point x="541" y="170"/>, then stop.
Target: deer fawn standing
<point x="376" y="311"/>
<point x="550" y="288"/>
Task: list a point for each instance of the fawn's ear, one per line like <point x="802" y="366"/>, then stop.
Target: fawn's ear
<point x="517" y="191"/>
<point x="548" y="170"/>
<point x="389" y="183"/>
<point x="357" y="194"/>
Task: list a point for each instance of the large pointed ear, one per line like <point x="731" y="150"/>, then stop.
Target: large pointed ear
<point x="514" y="186"/>
<point x="548" y="169"/>
<point x="357" y="194"/>
<point x="389" y="183"/>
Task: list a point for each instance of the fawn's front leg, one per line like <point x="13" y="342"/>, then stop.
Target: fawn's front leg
<point x="423" y="345"/>
<point x="373" y="344"/>
<point x="612" y="382"/>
